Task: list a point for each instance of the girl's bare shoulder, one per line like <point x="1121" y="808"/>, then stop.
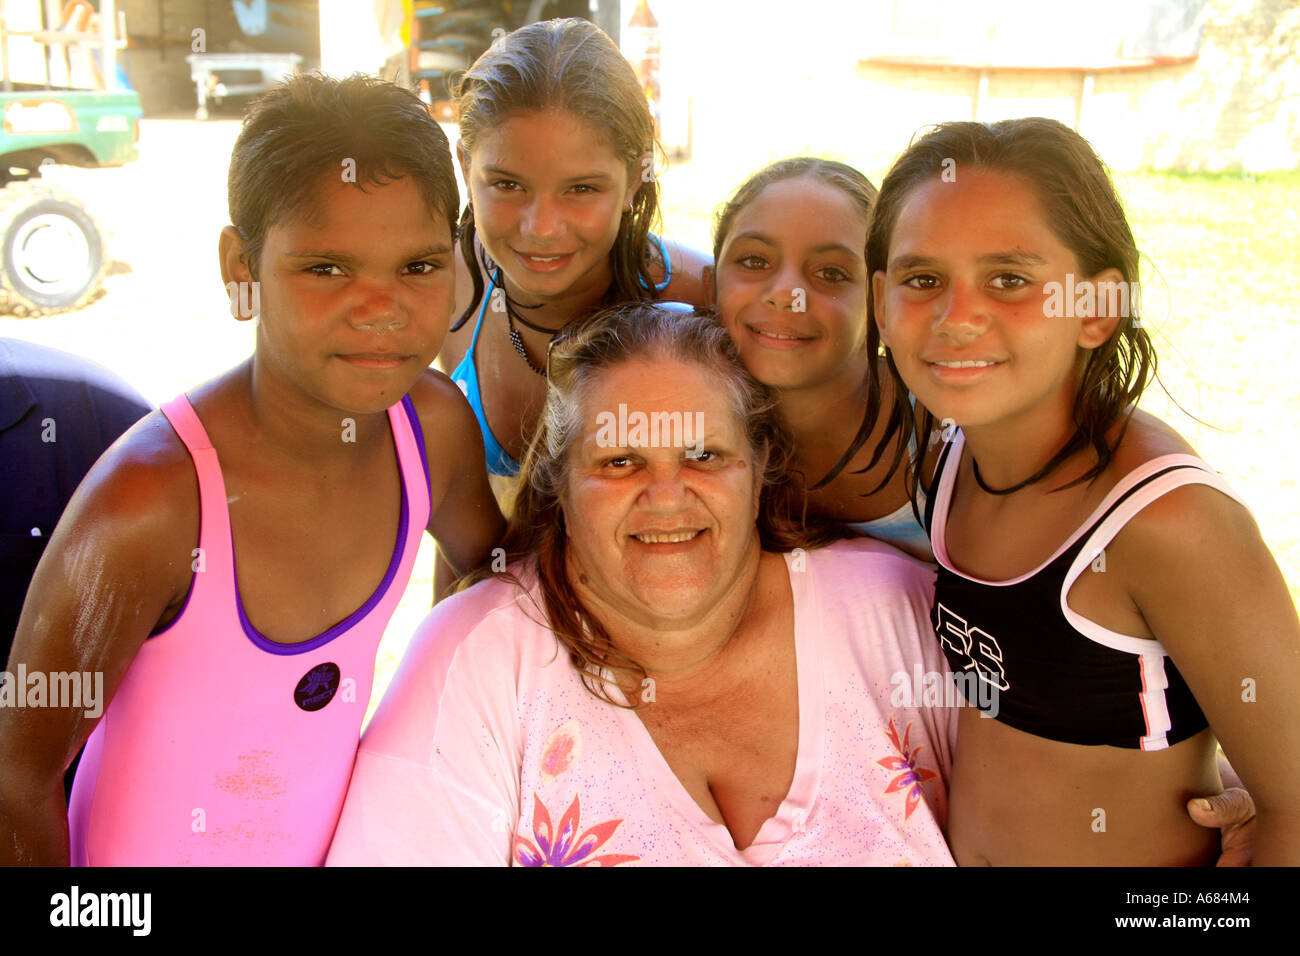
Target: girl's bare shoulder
<point x="1147" y="438"/>
<point x="1183" y="518"/>
<point x="446" y="419"/>
<point x="145" y="477"/>
<point x="687" y="277"/>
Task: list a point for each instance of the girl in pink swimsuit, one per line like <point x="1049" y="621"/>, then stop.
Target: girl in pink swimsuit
<point x="229" y="566"/>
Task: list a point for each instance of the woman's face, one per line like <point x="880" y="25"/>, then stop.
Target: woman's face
<point x="660" y="519"/>
<point x="792" y="284"/>
<point x="549" y="193"/>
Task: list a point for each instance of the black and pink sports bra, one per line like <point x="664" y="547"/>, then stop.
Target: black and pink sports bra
<point x="1021" y="654"/>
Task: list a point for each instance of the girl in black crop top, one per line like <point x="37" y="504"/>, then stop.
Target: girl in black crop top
<point x="1102" y="595"/>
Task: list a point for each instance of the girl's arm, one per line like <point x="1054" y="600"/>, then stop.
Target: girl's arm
<point x="117" y="562"/>
<point x="463" y="514"/>
<point x="1212" y="594"/>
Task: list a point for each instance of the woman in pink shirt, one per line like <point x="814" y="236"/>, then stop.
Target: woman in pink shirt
<point x="733" y="694"/>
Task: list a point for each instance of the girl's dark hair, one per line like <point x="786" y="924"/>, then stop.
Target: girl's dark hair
<point x="310" y="126"/>
<point x="574" y="66"/>
<point x="536" y="533"/>
<point x="1081" y="207"/>
<point x="858" y="188"/>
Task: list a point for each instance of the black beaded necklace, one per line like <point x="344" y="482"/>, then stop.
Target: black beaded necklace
<point x="516" y="339"/>
<point x="1054" y="463"/>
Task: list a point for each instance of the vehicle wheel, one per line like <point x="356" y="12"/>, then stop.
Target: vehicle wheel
<point x="52" y="251"/>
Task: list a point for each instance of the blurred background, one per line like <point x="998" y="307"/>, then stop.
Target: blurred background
<point x="129" y="110"/>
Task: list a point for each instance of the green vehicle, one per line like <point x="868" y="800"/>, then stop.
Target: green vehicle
<point x="52" y="251"/>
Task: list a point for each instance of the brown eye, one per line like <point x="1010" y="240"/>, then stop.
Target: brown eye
<point x="1009" y="282"/>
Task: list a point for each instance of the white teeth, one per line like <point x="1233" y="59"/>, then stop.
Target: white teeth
<point x="969" y="363"/>
<point x="543" y="258"/>
<point x="666" y="538"/>
<point x="777" y="335"/>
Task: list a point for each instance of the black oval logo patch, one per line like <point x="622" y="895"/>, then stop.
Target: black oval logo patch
<point x="317" y="687"/>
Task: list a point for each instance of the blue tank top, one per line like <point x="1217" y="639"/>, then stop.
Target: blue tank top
<point x="465" y="375"/>
<point x="901" y="529"/>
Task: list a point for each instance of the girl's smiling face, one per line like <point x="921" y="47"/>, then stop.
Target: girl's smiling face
<point x="961" y="303"/>
<point x="549" y="193"/>
<point x="792" y="285"/>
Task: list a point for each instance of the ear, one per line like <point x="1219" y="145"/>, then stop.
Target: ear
<point x="878" y="303"/>
<point x="235" y="273"/>
<point x="1113" y="308"/>
<point x="709" y="277"/>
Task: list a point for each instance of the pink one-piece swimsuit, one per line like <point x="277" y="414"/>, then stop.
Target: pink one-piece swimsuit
<point x="221" y="747"/>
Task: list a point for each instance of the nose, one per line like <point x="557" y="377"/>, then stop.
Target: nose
<point x="542" y="219"/>
<point x="780" y="291"/>
<point x="665" y="490"/>
<point x="960" y="313"/>
<point x="377" y="309"/>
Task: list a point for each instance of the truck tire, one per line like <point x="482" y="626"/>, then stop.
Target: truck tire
<point x="52" y="251"/>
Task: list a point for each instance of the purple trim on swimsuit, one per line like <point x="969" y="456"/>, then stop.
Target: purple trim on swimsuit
<point x="419" y="443"/>
<point x="311" y="644"/>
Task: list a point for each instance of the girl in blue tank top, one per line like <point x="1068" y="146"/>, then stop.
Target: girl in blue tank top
<point x="557" y="150"/>
<point x="790" y="285"/>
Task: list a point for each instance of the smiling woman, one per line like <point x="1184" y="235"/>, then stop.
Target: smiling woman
<point x="723" y="702"/>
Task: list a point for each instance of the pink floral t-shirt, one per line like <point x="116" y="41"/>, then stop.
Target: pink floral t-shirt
<point x="488" y="748"/>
